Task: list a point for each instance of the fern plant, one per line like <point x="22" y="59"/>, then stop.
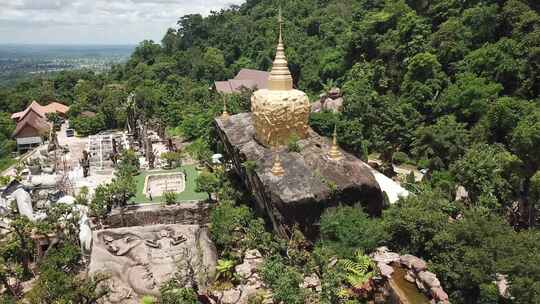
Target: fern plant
<point x="359" y="270"/>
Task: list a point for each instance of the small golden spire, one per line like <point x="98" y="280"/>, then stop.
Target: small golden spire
<point x="225" y="114"/>
<point x="334" y="152"/>
<point x="280" y="77"/>
<point x="277" y="169"/>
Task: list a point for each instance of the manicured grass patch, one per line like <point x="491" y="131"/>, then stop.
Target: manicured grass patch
<point x="6" y="163"/>
<point x="189" y="193"/>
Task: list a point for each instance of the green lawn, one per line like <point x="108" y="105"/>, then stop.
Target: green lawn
<point x="189" y="193"/>
<point x="6" y="163"/>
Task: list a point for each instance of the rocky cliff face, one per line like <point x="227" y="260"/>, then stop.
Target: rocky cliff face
<point x="312" y="182"/>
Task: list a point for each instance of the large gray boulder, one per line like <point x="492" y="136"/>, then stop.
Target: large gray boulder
<point x="311" y="184"/>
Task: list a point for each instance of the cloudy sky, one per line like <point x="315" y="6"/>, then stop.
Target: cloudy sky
<point x="95" y="21"/>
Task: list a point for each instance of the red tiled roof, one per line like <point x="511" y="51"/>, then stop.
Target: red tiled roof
<point x="34" y="106"/>
<point x="56" y="107"/>
<point x="247" y="78"/>
<point x="223" y="86"/>
<point x="34" y="120"/>
<point x="41" y="110"/>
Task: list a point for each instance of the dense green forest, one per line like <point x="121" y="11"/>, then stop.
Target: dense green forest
<point x="447" y="85"/>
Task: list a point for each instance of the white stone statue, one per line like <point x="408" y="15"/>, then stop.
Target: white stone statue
<point x="85" y="234"/>
<point x="24" y="203"/>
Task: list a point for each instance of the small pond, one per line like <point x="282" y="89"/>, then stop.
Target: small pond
<point x="404" y="291"/>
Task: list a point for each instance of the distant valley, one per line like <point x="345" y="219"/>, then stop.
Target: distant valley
<point x="24" y="60"/>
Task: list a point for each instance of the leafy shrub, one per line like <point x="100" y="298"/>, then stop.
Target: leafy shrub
<point x="4" y="180"/>
<point x="257" y="298"/>
<point x="58" y="281"/>
<point x="284" y="281"/>
<point x="170" y="197"/>
<point x="250" y="166"/>
<point x="172" y="293"/>
<point x="292" y="144"/>
<point x="207" y="182"/>
<point x="236" y="228"/>
<point x="224" y="269"/>
<point x="86" y="126"/>
<point x="323" y="122"/>
<point x="413" y="222"/>
<point x="226" y="222"/>
<point x="82" y="197"/>
<point x="400" y="158"/>
<point x="488" y="294"/>
<point x="129" y="163"/>
<point x="148" y="300"/>
<point x="7" y="299"/>
<point x="347" y="229"/>
<point x="173" y="159"/>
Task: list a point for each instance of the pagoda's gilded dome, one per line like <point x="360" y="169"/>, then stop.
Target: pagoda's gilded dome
<point x="280" y="112"/>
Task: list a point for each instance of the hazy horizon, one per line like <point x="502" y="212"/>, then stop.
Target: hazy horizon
<point x="95" y="22"/>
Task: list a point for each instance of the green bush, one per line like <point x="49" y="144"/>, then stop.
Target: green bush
<point x="172" y="293"/>
<point x="400" y="158"/>
<point x="86" y="126"/>
<point x="284" y="281"/>
<point x="292" y="144"/>
<point x="173" y="159"/>
<point x="58" y="281"/>
<point x="347" y="229"/>
<point x="170" y="197"/>
<point x="148" y="300"/>
<point x="7" y="299"/>
<point x="225" y="270"/>
<point x="250" y="166"/>
<point x="413" y="222"/>
<point x="129" y="163"/>
<point x="235" y="228"/>
<point x="227" y="222"/>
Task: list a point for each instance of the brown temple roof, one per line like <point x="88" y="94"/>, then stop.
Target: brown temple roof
<point x="246" y="78"/>
<point x="34" y="106"/>
<point x="34" y="120"/>
<point x="56" y="107"/>
<point x="42" y="110"/>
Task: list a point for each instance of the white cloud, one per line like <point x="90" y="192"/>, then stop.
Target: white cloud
<point x="95" y="21"/>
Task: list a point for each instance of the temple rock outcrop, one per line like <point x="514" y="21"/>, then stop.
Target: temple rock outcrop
<point x="312" y="181"/>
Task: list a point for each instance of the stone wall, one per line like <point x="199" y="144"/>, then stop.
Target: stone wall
<point x="186" y="213"/>
<point x="311" y="184"/>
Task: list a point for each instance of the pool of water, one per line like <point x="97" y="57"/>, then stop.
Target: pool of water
<point x="407" y="292"/>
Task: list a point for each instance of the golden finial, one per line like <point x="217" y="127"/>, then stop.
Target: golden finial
<point x="280" y="77"/>
<point x="334" y="152"/>
<point x="225" y="114"/>
<point x="277" y="169"/>
<point x="280" y="21"/>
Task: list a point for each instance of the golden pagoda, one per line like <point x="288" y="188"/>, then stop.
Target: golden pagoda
<point x="280" y="112"/>
<point x="334" y="152"/>
<point x="277" y="168"/>
<point x="225" y="114"/>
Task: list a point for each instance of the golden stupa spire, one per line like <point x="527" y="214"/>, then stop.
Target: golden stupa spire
<point x="277" y="168"/>
<point x="334" y="152"/>
<point x="225" y="114"/>
<point x="280" y="77"/>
